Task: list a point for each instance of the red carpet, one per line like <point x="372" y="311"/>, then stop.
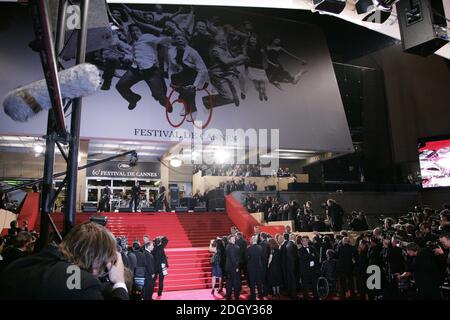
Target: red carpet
<point x="189" y="236"/>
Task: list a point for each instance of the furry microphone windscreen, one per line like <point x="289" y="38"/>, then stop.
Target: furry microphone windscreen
<point x="25" y="102"/>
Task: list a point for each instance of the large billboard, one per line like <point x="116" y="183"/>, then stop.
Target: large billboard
<point x="224" y="67"/>
<point x="434" y="159"/>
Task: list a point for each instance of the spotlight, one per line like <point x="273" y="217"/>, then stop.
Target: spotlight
<point x="332" y="6"/>
<point x="377" y="11"/>
<point x="38" y="148"/>
<point x="175" y="162"/>
<point x="221" y="156"/>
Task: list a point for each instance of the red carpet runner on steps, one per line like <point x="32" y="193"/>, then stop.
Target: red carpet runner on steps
<point x="189" y="236"/>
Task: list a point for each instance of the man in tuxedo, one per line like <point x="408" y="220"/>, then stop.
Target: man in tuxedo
<point x="257" y="232"/>
<point x="51" y="273"/>
<point x="292" y="267"/>
<point x="242" y="244"/>
<point x="309" y="264"/>
<point x="265" y="261"/>
<point x="232" y="252"/>
<point x="254" y="268"/>
<point x="283" y="256"/>
<point x="161" y="262"/>
<point x="347" y="255"/>
<point x="135" y="195"/>
<point x="149" y="283"/>
<point x="106" y="197"/>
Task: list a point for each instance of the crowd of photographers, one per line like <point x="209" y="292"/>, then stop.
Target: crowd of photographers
<point x="411" y="252"/>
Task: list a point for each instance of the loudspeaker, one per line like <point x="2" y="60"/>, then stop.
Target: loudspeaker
<point x="422" y="26"/>
<point x="99" y="33"/>
<point x="124" y="209"/>
<point x="216" y="199"/>
<point x="148" y="209"/>
<point x="181" y="209"/>
<point x="219" y="209"/>
<point x="101" y="220"/>
<point x="199" y="209"/>
<point x="333" y="6"/>
<point x="174" y="196"/>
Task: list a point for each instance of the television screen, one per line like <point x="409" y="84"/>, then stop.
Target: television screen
<point x="434" y="158"/>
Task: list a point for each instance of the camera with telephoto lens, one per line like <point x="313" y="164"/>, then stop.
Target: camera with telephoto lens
<point x="432" y="245"/>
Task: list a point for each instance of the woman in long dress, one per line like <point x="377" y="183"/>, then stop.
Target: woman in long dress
<point x="275" y="70"/>
<point x="275" y="280"/>
<point x="216" y="248"/>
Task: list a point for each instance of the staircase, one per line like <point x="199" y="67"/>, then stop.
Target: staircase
<point x="189" y="236"/>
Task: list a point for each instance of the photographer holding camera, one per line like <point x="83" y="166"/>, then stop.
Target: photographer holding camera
<point x="426" y="270"/>
<point x="88" y="251"/>
<point x="445" y="252"/>
<point x="335" y="212"/>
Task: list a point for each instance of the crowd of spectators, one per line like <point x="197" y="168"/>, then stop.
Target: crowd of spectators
<point x="237" y="185"/>
<point x="237" y="170"/>
<point x="304" y="217"/>
<point x="229" y="170"/>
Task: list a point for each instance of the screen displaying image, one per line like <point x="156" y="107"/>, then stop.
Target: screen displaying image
<point x="434" y="158"/>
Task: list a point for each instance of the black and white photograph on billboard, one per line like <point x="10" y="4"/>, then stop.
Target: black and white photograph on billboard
<point x="203" y="67"/>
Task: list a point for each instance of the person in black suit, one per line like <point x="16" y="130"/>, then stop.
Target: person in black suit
<point x="254" y="268"/>
<point x="135" y="196"/>
<point x="426" y="271"/>
<point x="309" y="266"/>
<point x="292" y="211"/>
<point x="292" y="267"/>
<point x="359" y="222"/>
<point x="257" y="232"/>
<point x="70" y="271"/>
<point x="22" y="247"/>
<point x="375" y="258"/>
<point x="283" y="257"/>
<point x="139" y="272"/>
<point x="122" y="249"/>
<point x="161" y="262"/>
<point x="335" y="214"/>
<point x="361" y="268"/>
<point x="242" y="244"/>
<point x="262" y="238"/>
<point x="232" y="268"/>
<point x="346" y="256"/>
<point x="395" y="264"/>
<point x="149" y="284"/>
<point x="104" y="205"/>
